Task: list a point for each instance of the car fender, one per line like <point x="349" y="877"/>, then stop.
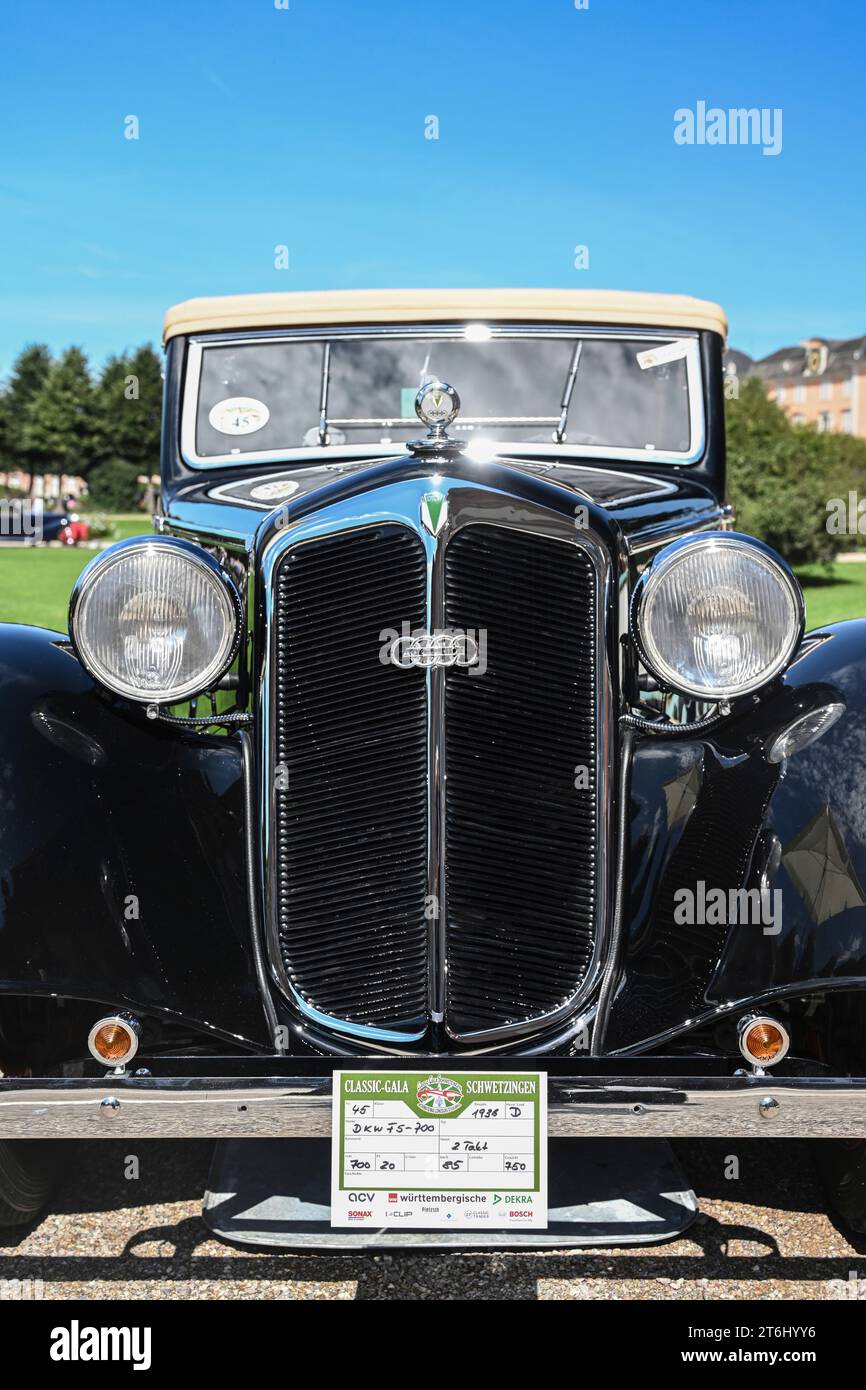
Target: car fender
<point x="122" y="871"/>
<point x="714" y="809"/>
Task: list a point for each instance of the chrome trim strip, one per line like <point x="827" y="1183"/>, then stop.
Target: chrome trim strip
<point x="714" y="1012"/>
<point x="432" y="332"/>
<point x="617" y="1107"/>
<point x="654" y="538"/>
<point x="343" y="516"/>
<point x="436" y="895"/>
<point x="226" y="492"/>
<point x="437" y="331"/>
<point x="503" y="454"/>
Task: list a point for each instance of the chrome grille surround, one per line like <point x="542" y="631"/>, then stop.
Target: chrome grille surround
<point x="521" y="825"/>
<point x="399" y="503"/>
<point x="349" y="743"/>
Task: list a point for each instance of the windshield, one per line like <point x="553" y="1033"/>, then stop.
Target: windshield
<point x="264" y="399"/>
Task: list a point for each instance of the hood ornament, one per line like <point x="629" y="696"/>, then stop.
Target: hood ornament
<point x="436" y="405"/>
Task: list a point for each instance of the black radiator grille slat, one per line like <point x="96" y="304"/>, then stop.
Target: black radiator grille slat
<point x="351" y="828"/>
<point x="521" y="842"/>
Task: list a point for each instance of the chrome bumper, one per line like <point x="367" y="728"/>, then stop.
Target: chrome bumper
<point x="190" y="1107"/>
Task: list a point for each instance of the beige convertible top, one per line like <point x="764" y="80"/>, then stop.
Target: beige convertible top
<point x="310" y="308"/>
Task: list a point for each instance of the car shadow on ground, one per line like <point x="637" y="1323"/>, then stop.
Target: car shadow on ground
<point x="136" y="1240"/>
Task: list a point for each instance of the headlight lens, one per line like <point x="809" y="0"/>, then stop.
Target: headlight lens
<point x="718" y="615"/>
<point x="155" y="620"/>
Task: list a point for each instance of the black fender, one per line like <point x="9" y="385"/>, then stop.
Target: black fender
<point x="122" y="869"/>
<point x="714" y="809"/>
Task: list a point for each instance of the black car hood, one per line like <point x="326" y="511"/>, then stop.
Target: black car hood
<point x="232" y="507"/>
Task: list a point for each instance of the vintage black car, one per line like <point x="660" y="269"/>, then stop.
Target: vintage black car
<point x="474" y="740"/>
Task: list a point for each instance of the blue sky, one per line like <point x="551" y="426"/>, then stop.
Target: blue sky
<point x="304" y="127"/>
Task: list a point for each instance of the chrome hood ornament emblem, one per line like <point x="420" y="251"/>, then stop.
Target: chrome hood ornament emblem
<point x="436" y="405"/>
<point x="434" y="512"/>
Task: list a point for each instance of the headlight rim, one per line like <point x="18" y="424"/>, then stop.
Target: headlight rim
<point x="665" y="560"/>
<point x="103" y="562"/>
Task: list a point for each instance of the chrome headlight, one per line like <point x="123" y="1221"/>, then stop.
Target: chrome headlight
<point x="717" y="615"/>
<point x="155" y="619"/>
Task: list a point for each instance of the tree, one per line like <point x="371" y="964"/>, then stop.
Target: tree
<point x="59" y="431"/>
<point x="113" y="485"/>
<point x="781" y="477"/>
<point x="7" y="459"/>
<point x="129" y="409"/>
<point x="29" y="374"/>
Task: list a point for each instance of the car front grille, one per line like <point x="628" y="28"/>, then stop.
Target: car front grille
<point x="505" y="935"/>
<point x="521" y="816"/>
<point x="351" y="744"/>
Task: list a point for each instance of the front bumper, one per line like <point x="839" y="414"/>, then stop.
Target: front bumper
<point x="291" y="1098"/>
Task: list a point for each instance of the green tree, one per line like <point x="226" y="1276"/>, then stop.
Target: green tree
<point x="6" y="455"/>
<point x="113" y="485"/>
<point x="782" y="476"/>
<point x="129" y="409"/>
<point x="59" y="432"/>
<point x="29" y="374"/>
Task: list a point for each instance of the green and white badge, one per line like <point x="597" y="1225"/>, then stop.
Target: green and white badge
<point x="447" y="1149"/>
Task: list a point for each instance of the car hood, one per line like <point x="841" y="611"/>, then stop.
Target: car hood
<point x="236" y="508"/>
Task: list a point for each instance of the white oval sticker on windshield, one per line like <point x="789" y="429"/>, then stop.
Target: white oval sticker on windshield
<point x="239" y="415"/>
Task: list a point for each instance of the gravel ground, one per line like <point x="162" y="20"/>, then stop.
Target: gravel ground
<point x="765" y="1235"/>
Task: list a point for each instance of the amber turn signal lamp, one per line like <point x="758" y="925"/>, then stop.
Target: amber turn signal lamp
<point x="114" y="1041"/>
<point x="763" y="1040"/>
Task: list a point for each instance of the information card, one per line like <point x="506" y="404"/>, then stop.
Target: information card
<point x="455" y="1149"/>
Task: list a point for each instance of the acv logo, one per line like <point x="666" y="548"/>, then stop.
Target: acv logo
<point x="439" y="1095"/>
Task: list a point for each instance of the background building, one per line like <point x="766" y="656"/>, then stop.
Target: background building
<point x="821" y="382"/>
<point x="51" y="487"/>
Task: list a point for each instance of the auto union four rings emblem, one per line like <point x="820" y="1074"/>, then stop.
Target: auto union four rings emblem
<point x="430" y="650"/>
<point x="437" y="404"/>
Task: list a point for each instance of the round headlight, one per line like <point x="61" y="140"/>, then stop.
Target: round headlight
<point x="155" y="619"/>
<point x="717" y="615"/>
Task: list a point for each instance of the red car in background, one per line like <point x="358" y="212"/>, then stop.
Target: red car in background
<point x="71" y="531"/>
<point x="67" y="526"/>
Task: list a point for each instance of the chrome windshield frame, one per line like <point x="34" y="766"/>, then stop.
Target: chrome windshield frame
<point x="440" y="332"/>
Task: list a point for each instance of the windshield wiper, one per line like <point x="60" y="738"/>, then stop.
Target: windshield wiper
<point x="323" y="398"/>
<point x="559" y="432"/>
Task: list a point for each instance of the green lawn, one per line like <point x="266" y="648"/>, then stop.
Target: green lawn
<point x="35" y="583"/>
<point x="835" y="594"/>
